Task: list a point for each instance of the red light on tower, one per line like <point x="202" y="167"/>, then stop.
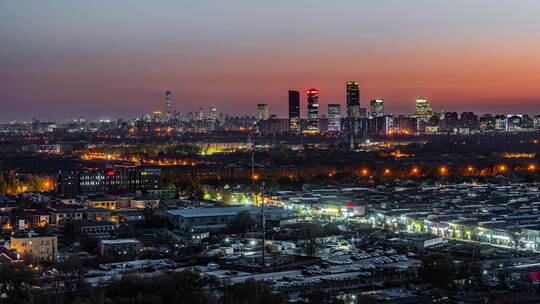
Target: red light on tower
<point x="110" y="173"/>
<point x="312" y="92"/>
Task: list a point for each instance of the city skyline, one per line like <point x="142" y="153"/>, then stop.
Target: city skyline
<point x="116" y="62"/>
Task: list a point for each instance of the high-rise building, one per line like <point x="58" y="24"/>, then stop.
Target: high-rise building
<point x="376" y="108"/>
<point x="313" y="110"/>
<point x="334" y="117"/>
<point x="168" y="111"/>
<point x="422" y="106"/>
<point x="353" y="106"/>
<point x="262" y="111"/>
<point x="294" y="111"/>
<point x="212" y="115"/>
<point x="423" y="113"/>
<point x="199" y="114"/>
<point x="536" y="122"/>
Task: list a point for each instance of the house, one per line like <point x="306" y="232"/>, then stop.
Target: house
<point x="8" y="255"/>
<point x="143" y="202"/>
<point x="100" y="202"/>
<point x="97" y="229"/>
<point x="60" y="215"/>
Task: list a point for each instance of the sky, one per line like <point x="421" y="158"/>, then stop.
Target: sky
<point x="109" y="59"/>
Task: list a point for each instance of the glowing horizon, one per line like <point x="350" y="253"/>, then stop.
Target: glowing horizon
<point x="116" y="59"/>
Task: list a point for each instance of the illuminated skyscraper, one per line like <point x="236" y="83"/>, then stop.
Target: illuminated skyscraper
<point x="313" y="110"/>
<point x="334" y="117"/>
<point x="262" y="111"/>
<point x="422" y="106"/>
<point x="353" y="106"/>
<point x="213" y="113"/>
<point x="294" y="111"/>
<point x="168" y="111"/>
<point x="199" y="114"/>
<point x="423" y="113"/>
<point x="376" y="108"/>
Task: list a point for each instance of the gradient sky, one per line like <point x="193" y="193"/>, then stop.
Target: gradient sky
<point x="105" y="59"/>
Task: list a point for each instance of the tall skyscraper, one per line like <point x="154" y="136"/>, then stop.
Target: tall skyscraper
<point x="313" y="110"/>
<point x="422" y="106"/>
<point x="423" y="113"/>
<point x="334" y="117"/>
<point x="212" y="115"/>
<point x="262" y="111"/>
<point x="168" y="110"/>
<point x="199" y="114"/>
<point x="353" y="106"/>
<point x="294" y="111"/>
<point x="376" y="108"/>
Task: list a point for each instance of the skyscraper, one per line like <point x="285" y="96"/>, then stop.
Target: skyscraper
<point x="377" y="108"/>
<point x="334" y="117"/>
<point x="262" y="111"/>
<point x="294" y="111"/>
<point x="423" y="113"/>
<point x="199" y="114"/>
<point x="168" y="111"/>
<point x="212" y="115"/>
<point x="353" y="106"/>
<point x="312" y="110"/>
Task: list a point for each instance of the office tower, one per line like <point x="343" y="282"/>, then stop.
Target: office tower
<point x="199" y="114"/>
<point x="536" y="122"/>
<point x="469" y="120"/>
<point x="334" y="117"/>
<point x="376" y="108"/>
<point x="212" y="115"/>
<point x="313" y="110"/>
<point x="294" y="111"/>
<point x="422" y="106"/>
<point x="262" y="111"/>
<point x="353" y="106"/>
<point x="156" y="116"/>
<point x="423" y="113"/>
<point x="168" y="111"/>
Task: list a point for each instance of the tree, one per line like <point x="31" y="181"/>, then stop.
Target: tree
<point x="437" y="269"/>
<point x="310" y="233"/>
<point x="71" y="274"/>
<point x="243" y="222"/>
<point x="16" y="281"/>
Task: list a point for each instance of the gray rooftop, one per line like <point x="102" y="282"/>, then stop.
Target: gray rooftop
<point x="223" y="211"/>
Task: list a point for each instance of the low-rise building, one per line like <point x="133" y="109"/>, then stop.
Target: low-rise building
<point x="119" y="247"/>
<point x="101" y="202"/>
<point x="42" y="247"/>
<point x="205" y="219"/>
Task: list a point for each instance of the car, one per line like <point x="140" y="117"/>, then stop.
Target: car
<point x="213" y="266"/>
<point x="298" y="277"/>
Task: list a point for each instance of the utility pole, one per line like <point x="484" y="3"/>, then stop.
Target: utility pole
<point x="263" y="224"/>
<point x="252" y="165"/>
